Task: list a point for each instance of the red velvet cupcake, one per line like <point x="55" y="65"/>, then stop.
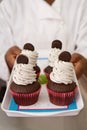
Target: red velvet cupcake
<point x="61" y="85"/>
<point x="53" y="56"/>
<point x="24" y="88"/>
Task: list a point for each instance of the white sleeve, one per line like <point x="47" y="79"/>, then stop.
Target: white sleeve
<point x="6" y="37"/>
<point x="82" y="35"/>
<point x="81" y="40"/>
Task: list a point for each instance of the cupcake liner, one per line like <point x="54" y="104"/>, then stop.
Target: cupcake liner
<point x="61" y="99"/>
<point x="25" y="99"/>
<point x="47" y="75"/>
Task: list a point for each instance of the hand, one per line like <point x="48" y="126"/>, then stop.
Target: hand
<point x="10" y="56"/>
<point x="80" y="64"/>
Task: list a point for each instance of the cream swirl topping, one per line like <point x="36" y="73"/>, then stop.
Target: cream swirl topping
<point x="24" y="74"/>
<point x="32" y="56"/>
<point x="62" y="72"/>
<point x="53" y="56"/>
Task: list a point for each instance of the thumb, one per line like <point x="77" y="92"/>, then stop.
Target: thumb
<point x="16" y="50"/>
<point x="74" y="58"/>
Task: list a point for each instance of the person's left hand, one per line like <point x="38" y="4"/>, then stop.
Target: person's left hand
<point x="80" y="64"/>
<point x="11" y="55"/>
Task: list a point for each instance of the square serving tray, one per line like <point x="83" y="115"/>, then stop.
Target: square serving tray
<point x="43" y="108"/>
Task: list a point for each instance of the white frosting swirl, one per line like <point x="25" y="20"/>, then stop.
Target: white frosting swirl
<point x="24" y="74"/>
<point x="62" y="72"/>
<point x="53" y="56"/>
<point x="32" y="56"/>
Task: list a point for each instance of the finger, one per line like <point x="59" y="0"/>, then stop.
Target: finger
<point x="78" y="69"/>
<point x="16" y="50"/>
<point x="11" y="61"/>
<point x="75" y="58"/>
<point x="78" y="72"/>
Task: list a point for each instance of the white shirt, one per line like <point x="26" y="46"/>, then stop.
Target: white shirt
<point x="36" y="22"/>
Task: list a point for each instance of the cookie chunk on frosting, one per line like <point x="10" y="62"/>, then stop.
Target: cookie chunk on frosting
<point x="57" y="44"/>
<point x="55" y="51"/>
<point x="29" y="51"/>
<point x="23" y="72"/>
<point x="28" y="46"/>
<point x="63" y="69"/>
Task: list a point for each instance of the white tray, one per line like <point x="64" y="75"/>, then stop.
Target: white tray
<point x="43" y="108"/>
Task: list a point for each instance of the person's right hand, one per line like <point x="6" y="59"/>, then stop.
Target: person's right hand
<point x="10" y="56"/>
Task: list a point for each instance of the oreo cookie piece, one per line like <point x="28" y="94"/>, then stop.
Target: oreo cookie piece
<point x="22" y="59"/>
<point x="57" y="44"/>
<point x="28" y="46"/>
<point x="65" y="56"/>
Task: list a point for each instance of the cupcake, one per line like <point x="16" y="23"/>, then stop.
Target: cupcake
<point x="61" y="85"/>
<point x="24" y="88"/>
<point x="30" y="52"/>
<point x="53" y="56"/>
